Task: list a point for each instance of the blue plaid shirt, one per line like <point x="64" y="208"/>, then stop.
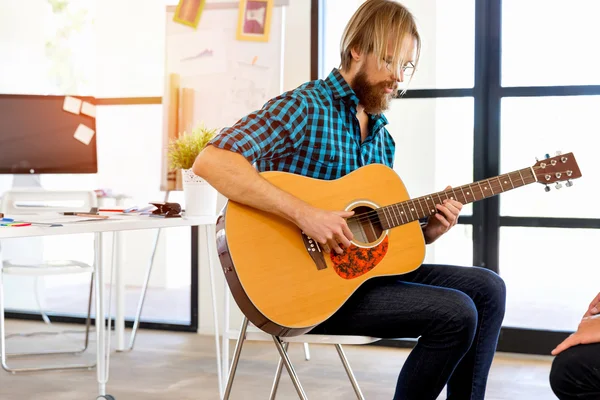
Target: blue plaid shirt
<point x="312" y="131"/>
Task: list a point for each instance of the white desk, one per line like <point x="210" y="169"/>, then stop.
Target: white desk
<point x="114" y="224"/>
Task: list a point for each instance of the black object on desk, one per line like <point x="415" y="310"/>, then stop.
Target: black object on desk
<point x="166" y="210"/>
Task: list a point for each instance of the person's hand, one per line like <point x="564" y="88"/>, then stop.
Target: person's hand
<point x="587" y="332"/>
<point x="441" y="222"/>
<point x="329" y="228"/>
<point x="594" y="307"/>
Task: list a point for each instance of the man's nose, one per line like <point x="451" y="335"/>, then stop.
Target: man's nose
<point x="398" y="75"/>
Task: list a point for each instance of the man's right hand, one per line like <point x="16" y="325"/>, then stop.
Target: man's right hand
<point x="329" y="228"/>
<point x="594" y="307"/>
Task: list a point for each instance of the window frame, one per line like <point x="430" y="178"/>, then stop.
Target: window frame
<point x="487" y="93"/>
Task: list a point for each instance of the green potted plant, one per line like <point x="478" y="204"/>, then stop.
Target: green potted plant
<point x="200" y="197"/>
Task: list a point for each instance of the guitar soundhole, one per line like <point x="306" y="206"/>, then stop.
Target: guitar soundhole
<point x="365" y="225"/>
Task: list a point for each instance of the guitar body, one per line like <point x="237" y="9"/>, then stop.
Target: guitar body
<point x="282" y="280"/>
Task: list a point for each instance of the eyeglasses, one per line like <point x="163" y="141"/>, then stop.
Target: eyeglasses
<point x="407" y="70"/>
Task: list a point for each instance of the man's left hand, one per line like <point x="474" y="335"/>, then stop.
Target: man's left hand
<point x="441" y="222"/>
<point x="587" y="332"/>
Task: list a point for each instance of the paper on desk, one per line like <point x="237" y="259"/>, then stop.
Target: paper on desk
<point x="88" y="109"/>
<point x="84" y="134"/>
<point x="72" y="105"/>
<point x="56" y="219"/>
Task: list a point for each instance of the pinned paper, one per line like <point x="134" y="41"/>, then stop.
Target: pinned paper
<point x="88" y="109"/>
<point x="72" y="105"/>
<point x="84" y="134"/>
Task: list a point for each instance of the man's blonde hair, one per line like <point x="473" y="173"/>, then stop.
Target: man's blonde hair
<point x="372" y="25"/>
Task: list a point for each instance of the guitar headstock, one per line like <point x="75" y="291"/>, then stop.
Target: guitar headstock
<point x="560" y="168"/>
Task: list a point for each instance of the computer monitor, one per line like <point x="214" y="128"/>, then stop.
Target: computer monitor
<point x="37" y="136"/>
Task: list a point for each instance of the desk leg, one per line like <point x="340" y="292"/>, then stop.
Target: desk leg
<point x="120" y="285"/>
<point x="102" y="332"/>
<point x="120" y="288"/>
<point x="210" y="242"/>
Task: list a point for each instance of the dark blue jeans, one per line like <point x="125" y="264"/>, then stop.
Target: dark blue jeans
<point x="575" y="373"/>
<point x="456" y="312"/>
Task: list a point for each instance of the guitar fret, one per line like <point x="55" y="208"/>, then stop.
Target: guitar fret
<point x="388" y="219"/>
<point x="399" y="213"/>
<point x="432" y="208"/>
<point x="464" y="196"/>
<point x="490" y="185"/>
<point x="411" y="209"/>
<point x="395" y="214"/>
<point x="481" y="190"/>
<point x="522" y="179"/>
<point x="422" y="210"/>
<point x="511" y="182"/>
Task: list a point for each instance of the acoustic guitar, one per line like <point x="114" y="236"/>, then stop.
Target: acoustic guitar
<point x="283" y="280"/>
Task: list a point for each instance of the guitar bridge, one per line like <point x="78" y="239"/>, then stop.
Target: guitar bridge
<point x="315" y="251"/>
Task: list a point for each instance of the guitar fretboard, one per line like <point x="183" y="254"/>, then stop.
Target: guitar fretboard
<point x="411" y="210"/>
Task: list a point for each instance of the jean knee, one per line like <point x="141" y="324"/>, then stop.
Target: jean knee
<point x="493" y="288"/>
<point x="462" y="322"/>
<point x="558" y="373"/>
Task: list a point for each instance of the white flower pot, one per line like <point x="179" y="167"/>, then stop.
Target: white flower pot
<point x="200" y="196"/>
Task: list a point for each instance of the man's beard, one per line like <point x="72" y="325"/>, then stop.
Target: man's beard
<point x="372" y="96"/>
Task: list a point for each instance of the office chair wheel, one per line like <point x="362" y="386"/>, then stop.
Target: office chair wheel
<point x="106" y="397"/>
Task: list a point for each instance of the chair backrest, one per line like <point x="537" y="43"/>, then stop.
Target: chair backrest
<point x="39" y="201"/>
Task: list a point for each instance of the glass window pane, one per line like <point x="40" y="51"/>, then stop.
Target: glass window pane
<point x="534" y="126"/>
<point x="447" y="31"/>
<point x="556" y="49"/>
<point x="434" y="143"/>
<point x="549" y="276"/>
<point x="47" y="50"/>
<point x="454" y="248"/>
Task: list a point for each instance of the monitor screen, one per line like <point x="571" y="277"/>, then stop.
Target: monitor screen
<point x="38" y="136"/>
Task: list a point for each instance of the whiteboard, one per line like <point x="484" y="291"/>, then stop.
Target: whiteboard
<point x="230" y="78"/>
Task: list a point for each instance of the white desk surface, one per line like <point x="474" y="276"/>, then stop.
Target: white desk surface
<point x="114" y="223"/>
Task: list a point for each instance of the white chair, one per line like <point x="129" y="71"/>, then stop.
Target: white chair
<point x="22" y="202"/>
<point x="282" y="343"/>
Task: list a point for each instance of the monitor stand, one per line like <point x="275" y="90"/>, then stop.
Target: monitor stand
<point x="32" y="181"/>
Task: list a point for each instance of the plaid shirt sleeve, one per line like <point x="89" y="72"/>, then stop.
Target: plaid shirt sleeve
<point x="274" y="131"/>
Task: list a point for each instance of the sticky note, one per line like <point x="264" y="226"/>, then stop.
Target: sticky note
<point x="72" y="105"/>
<point x="88" y="109"/>
<point x="84" y="134"/>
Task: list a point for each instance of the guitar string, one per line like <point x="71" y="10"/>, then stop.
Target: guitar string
<point x="373" y="216"/>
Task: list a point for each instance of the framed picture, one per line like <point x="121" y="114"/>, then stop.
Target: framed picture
<point x="188" y="12"/>
<point x="254" y="20"/>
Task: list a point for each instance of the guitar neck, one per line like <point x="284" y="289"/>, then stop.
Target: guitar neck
<point x="411" y="210"/>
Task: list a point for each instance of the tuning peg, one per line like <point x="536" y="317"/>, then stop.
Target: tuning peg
<point x="558" y="185"/>
<point x="547" y="155"/>
<point x="547" y="188"/>
<point x="569" y="183"/>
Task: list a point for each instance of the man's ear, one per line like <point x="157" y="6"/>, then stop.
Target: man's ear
<point x="356" y="54"/>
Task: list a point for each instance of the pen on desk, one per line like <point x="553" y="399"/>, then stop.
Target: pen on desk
<point x="92" y="215"/>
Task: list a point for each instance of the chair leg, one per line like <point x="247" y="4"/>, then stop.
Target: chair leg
<point x="355" y="386"/>
<point x="288" y="365"/>
<point x="278" y="374"/>
<point x="306" y="352"/>
<point x="236" y="358"/>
